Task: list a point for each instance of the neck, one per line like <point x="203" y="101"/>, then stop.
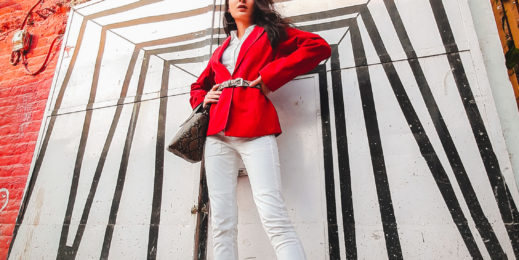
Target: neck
<point x="242" y="26"/>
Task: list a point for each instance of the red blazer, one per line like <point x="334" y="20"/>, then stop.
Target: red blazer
<point x="246" y="112"/>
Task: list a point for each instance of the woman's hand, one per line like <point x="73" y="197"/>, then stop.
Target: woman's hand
<point x="264" y="89"/>
<point x="212" y="96"/>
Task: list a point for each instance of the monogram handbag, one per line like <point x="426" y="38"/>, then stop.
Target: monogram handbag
<point x="189" y="141"/>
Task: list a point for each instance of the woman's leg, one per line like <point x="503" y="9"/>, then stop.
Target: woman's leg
<point x="221" y="163"/>
<point x="260" y="156"/>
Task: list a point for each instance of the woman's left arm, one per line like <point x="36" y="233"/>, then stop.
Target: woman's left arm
<point x="298" y="54"/>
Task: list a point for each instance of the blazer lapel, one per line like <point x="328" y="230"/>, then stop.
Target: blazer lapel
<point x="251" y="39"/>
<point x="220" y="67"/>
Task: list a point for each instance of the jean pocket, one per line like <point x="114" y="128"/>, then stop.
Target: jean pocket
<point x="212" y="147"/>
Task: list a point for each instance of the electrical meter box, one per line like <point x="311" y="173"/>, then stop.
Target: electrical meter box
<point x="21" y="40"/>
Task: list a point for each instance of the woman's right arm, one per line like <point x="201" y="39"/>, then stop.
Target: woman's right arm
<point x="202" y="85"/>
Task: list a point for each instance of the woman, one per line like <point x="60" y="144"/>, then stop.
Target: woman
<point x="261" y="54"/>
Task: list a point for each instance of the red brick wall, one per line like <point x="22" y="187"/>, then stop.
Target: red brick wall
<point x="22" y="99"/>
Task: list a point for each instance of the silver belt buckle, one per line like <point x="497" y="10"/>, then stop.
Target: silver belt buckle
<point x="239" y="82"/>
<point x="234" y="83"/>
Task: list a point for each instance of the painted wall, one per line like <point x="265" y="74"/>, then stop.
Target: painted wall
<point x="400" y="153"/>
<point x="506" y="15"/>
<point x="23" y="99"/>
<point x="498" y="78"/>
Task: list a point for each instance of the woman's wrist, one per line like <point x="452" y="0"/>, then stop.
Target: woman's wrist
<point x="265" y="89"/>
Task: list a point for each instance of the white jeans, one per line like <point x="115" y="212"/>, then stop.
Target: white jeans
<point x="260" y="157"/>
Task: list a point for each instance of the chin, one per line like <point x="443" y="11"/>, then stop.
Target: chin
<point x="241" y="15"/>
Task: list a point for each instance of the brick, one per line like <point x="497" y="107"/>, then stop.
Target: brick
<point x="14" y="184"/>
<point x="12" y="159"/>
<point x="4" y="244"/>
<point x="5" y="139"/>
<point x="8" y="129"/>
<point x="34" y="126"/>
<point x="22" y="101"/>
<point x="14" y="149"/>
<point x="14" y="170"/>
<point x="7" y="101"/>
<point x="7" y="109"/>
<point x="6" y="229"/>
<point x="10" y="218"/>
<point x="12" y="209"/>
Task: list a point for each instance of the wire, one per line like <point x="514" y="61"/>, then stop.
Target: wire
<point x="26" y="64"/>
<point x="15" y="55"/>
<point x="29" y="13"/>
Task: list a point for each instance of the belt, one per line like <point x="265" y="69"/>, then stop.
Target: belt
<point x="239" y="82"/>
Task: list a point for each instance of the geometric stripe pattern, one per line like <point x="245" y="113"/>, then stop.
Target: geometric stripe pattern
<point x="411" y="158"/>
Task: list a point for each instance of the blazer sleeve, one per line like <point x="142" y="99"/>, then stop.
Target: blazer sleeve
<point x="202" y="85"/>
<point x="298" y="54"/>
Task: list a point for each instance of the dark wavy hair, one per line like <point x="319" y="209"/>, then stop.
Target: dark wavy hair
<point x="265" y="16"/>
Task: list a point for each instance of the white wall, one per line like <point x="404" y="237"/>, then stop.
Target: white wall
<point x="393" y="148"/>
<point x="502" y="91"/>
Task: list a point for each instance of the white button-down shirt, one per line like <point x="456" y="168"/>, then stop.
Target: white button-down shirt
<point x="230" y="55"/>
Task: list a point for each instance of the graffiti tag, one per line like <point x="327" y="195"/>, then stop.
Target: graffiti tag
<point x="4" y="194"/>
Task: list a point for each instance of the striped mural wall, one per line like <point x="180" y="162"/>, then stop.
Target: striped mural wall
<point x="392" y="148"/>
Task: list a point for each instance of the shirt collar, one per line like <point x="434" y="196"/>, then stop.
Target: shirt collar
<point x="234" y="34"/>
